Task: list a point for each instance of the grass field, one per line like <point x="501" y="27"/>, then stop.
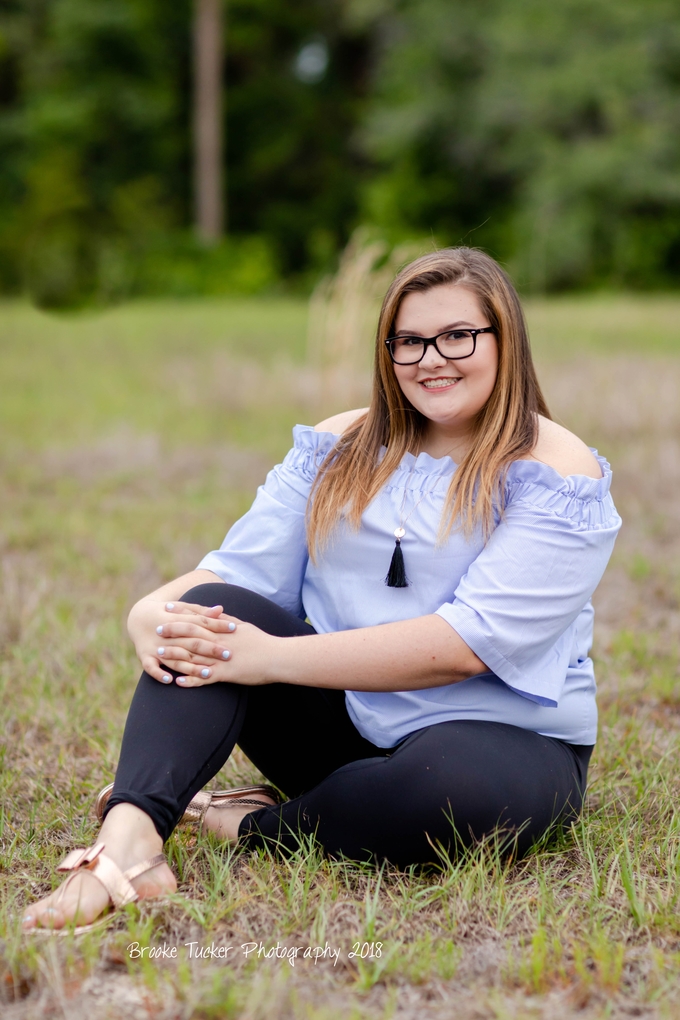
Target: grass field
<point x="129" y="441"/>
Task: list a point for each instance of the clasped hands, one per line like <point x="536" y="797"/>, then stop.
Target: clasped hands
<point x="204" y="645"/>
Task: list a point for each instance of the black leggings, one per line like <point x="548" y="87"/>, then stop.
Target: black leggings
<point x="445" y="785"/>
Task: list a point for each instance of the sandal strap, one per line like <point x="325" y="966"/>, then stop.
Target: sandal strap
<point x="147" y="865"/>
<point x="101" y="802"/>
<point x="196" y="810"/>
<point x="240" y="800"/>
<point x="116" y="882"/>
<point x="80" y="858"/>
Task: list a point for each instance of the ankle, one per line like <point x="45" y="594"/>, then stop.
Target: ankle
<point x="127" y="831"/>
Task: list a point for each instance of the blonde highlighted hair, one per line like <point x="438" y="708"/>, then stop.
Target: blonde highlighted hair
<point x="505" y="430"/>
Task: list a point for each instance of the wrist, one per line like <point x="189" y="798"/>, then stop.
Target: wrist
<point x="283" y="667"/>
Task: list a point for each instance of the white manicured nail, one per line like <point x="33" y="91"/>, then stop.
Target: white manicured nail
<point x="226" y="654"/>
<point x="181" y="679"/>
<point x="159" y="629"/>
<point x="167" y="679"/>
<point x="205" y="673"/>
<point x="169" y="606"/>
<point x="161" y="651"/>
<point x="231" y="628"/>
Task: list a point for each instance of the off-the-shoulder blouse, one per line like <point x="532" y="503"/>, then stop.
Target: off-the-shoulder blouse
<point x="521" y="601"/>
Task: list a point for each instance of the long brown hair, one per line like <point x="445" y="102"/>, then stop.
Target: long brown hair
<point x="506" y="427"/>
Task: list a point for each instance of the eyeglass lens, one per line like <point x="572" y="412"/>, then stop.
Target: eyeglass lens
<point x="407" y="350"/>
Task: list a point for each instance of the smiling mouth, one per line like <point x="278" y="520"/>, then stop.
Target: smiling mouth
<point x="439" y="384"/>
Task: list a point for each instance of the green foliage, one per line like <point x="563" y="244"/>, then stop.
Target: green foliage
<point x="293" y="168"/>
<point x="92" y="140"/>
<point x="546" y="132"/>
<point x="95" y="148"/>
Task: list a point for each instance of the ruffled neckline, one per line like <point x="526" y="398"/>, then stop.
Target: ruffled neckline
<point x="528" y="472"/>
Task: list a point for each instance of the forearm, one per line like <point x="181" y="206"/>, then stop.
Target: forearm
<point x="409" y="655"/>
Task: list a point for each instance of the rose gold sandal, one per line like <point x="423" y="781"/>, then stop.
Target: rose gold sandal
<point x="196" y="810"/>
<point x="116" y="882"/>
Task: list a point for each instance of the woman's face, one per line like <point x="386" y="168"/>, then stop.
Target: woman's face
<point x="449" y="393"/>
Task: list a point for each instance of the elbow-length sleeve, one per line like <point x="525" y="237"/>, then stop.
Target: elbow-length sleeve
<point x="518" y="600"/>
<point x="266" y="550"/>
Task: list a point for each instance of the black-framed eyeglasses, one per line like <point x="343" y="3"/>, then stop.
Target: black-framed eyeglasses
<point x="453" y="345"/>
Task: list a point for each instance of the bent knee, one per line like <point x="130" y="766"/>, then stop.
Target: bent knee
<point x="212" y="593"/>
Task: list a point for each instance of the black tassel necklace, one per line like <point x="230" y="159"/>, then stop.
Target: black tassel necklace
<point x="396" y="575"/>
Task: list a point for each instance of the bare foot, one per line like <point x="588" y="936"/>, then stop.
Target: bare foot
<point x="129" y="837"/>
<point x="224" y="820"/>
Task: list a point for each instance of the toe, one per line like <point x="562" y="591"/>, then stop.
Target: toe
<point x="53" y="918"/>
<point x="45" y="917"/>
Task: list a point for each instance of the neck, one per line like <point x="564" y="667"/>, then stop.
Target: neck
<point x="440" y="441"/>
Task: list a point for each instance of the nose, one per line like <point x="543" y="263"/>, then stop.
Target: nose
<point x="432" y="358"/>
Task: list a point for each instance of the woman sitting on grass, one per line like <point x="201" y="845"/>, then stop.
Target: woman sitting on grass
<point x="399" y="627"/>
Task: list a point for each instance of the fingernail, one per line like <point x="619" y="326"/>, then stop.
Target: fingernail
<point x="169" y="606"/>
<point x="216" y="607"/>
<point x="161" y="651"/>
<point x="181" y="679"/>
<point x="159" y="630"/>
<point x="27" y="919"/>
<point x="205" y="673"/>
<point x="226" y="654"/>
<point x="167" y="679"/>
<point x="231" y="628"/>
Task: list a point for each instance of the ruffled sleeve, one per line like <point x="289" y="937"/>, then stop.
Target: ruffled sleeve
<point x="266" y="550"/>
<point x="518" y="603"/>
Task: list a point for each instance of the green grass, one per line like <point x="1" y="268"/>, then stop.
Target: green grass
<point x="129" y="441"/>
<point x="603" y="323"/>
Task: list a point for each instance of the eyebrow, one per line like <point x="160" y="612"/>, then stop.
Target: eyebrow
<point x="453" y="325"/>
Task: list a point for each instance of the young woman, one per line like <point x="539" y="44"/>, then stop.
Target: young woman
<point x="396" y="633"/>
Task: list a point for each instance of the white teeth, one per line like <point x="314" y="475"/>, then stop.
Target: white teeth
<point x="432" y="384"/>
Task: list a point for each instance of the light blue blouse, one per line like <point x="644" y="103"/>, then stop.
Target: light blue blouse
<point x="521" y="602"/>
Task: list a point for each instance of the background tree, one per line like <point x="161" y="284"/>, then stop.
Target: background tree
<point x="208" y="105"/>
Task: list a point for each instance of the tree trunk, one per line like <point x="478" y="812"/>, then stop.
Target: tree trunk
<point x="208" y="175"/>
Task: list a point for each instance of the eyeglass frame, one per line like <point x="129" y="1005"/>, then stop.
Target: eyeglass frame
<point x="432" y="342"/>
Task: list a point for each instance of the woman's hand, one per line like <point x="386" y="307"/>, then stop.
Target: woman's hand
<point x="146" y="627"/>
<point x="212" y="649"/>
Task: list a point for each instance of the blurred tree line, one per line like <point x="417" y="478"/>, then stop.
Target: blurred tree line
<point x="546" y="133"/>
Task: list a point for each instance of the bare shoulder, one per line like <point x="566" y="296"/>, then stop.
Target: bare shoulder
<point x="563" y="451"/>
<point x="340" y="422"/>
